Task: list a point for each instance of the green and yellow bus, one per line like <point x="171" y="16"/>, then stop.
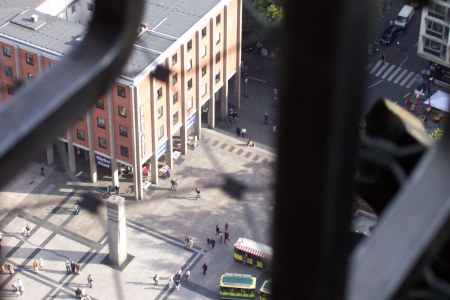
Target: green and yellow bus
<point x="265" y="291"/>
<point x="252" y="253"/>
<point x="237" y="286"/>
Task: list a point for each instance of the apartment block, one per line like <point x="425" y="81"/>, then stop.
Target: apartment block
<point x="140" y="123"/>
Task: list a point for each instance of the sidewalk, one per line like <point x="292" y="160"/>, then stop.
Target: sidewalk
<point x="156" y="227"/>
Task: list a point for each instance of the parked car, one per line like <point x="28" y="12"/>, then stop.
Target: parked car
<point x="389" y="35"/>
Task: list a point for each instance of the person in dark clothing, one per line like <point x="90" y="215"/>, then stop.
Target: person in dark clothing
<point x="213" y="243"/>
<point x="238" y="131"/>
<point x="204" y="267"/>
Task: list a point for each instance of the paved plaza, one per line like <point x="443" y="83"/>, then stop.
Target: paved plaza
<point x="222" y="165"/>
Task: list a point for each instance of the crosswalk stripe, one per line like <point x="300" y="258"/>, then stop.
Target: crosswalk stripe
<point x="411" y="83"/>
<point x="381" y="70"/>
<point x="406" y="78"/>
<point x="400" y="76"/>
<point x="387" y="72"/>
<point x="395" y="73"/>
<point x="375" y="67"/>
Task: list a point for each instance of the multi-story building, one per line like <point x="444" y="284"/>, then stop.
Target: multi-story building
<point x="140" y="120"/>
<point x="434" y="37"/>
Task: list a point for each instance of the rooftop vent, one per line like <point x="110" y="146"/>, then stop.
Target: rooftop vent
<point x="34" y="18"/>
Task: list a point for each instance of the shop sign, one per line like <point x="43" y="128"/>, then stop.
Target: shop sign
<point x="103" y="161"/>
<point x="191" y="120"/>
<point x="161" y="150"/>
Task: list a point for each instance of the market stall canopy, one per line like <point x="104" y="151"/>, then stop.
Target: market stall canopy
<point x="439" y="100"/>
<point x="145" y="170"/>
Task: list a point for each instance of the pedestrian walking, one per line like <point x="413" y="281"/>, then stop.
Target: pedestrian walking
<point x="68" y="266"/>
<point x="213" y="243"/>
<point x="204" y="267"/>
<point x="90" y="280"/>
<point x="227" y="237"/>
<point x="217" y="229"/>
<point x="42" y="171"/>
<point x="11" y="268"/>
<point x="178" y="283"/>
<point x="172" y="186"/>
<point x="77" y="268"/>
<point x="235" y="116"/>
<point x="220" y="237"/>
<point x="266" y="118"/>
<point x="187" y="274"/>
<point x="20" y="287"/>
<point x="208" y="240"/>
<point x="238" y="131"/>
<point x="36" y="266"/>
<point x="197" y="190"/>
<point x="156" y="279"/>
<point x="243" y="132"/>
<point x="226" y="227"/>
<point x="275" y="94"/>
<point x="72" y="266"/>
<point x="41" y="264"/>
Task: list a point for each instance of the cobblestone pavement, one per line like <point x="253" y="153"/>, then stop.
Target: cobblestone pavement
<point x="156" y="226"/>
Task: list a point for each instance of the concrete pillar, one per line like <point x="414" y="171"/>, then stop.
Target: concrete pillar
<point x="198" y="124"/>
<point x="138" y="139"/>
<point x="50" y="154"/>
<point x="117" y="230"/>
<point x="92" y="164"/>
<point x="237" y="77"/>
<point x="212" y="75"/>
<point x="224" y="92"/>
<point x="169" y="119"/>
<point x="183" y="131"/>
<point x="112" y="140"/>
<point x="71" y="152"/>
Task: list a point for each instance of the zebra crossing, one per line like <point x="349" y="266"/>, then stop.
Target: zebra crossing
<point x="392" y="73"/>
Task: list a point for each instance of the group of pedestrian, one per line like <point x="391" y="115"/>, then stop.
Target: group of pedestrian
<point x="223" y="236"/>
<point x="80" y="293"/>
<point x="240" y="132"/>
<point x="7" y="268"/>
<point x="73" y="267"/>
<point x="267" y="118"/>
<point x="18" y="287"/>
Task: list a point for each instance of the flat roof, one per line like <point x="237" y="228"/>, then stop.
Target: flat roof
<point x="167" y="21"/>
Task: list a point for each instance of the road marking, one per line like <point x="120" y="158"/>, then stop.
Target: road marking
<point x="395" y="73"/>
<point x="257" y="79"/>
<point x="382" y="69"/>
<point x="406" y="95"/>
<point x="400" y="76"/>
<point x="375" y="84"/>
<point x="403" y="61"/>
<point x="376" y="66"/>
<point x="411" y="83"/>
<point x="387" y="72"/>
<point x="406" y="78"/>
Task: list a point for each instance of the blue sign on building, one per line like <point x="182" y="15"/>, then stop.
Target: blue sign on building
<point x="103" y="161"/>
<point x="162" y="149"/>
<point x="191" y="120"/>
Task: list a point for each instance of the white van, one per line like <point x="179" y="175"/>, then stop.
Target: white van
<point x="404" y="16"/>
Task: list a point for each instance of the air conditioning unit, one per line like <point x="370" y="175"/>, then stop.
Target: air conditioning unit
<point x="34" y="18"/>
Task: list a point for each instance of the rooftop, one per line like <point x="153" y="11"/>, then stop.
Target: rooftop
<point x="167" y="21"/>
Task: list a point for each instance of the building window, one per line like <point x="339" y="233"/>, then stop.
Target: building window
<point x="217" y="57"/>
<point x="174" y="79"/>
<point x="203" y="52"/>
<point x="30" y="76"/>
<point x="90" y="6"/>
<point x="29" y="59"/>
<point x="80" y="134"/>
<point x="203" y="32"/>
<point x="9" y="89"/>
<point x="121" y="91"/>
<point x="217" y="38"/>
<point x="122" y="111"/>
<point x="218" y="77"/>
<point x="124" y="151"/>
<point x="9" y="71"/>
<point x="175" y="98"/>
<point x="101" y="122"/>
<point x="189" y="45"/>
<point x="123" y="130"/>
<point x="189" y="65"/>
<point x="218" y="19"/>
<point x="160" y="132"/>
<point x="174" y="59"/>
<point x="6" y="51"/>
<point x="175" y="118"/>
<point x="204" y="89"/>
<point x="102" y="142"/>
<point x="100" y="104"/>
<point x="159" y="112"/>
<point x="204" y="71"/>
<point x="159" y="93"/>
<point x="190" y="103"/>
<point x="74" y="9"/>
<point x="189" y="84"/>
